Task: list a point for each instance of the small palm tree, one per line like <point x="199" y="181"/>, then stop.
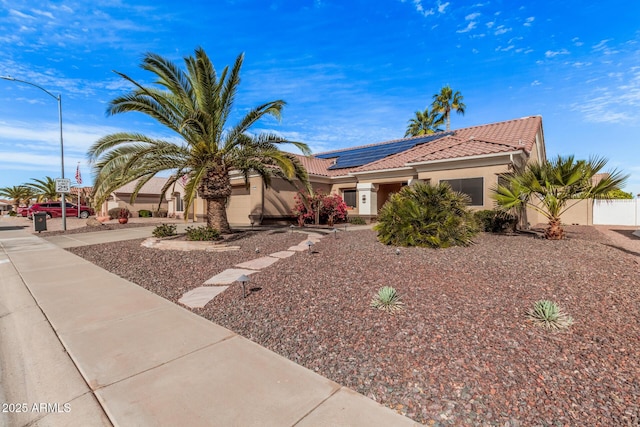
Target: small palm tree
<point x="448" y="100"/>
<point x="195" y="104"/>
<point x="553" y="187"/>
<point x="18" y="194"/>
<point x="44" y="189"/>
<point x="424" y="123"/>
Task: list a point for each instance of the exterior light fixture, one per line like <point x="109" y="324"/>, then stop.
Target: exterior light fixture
<point x="335" y="233"/>
<point x="397" y="251"/>
<point x="291" y="227"/>
<point x="309" y="244"/>
<point x="243" y="280"/>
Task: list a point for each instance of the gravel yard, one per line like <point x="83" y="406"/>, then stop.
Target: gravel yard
<point x="462" y="352"/>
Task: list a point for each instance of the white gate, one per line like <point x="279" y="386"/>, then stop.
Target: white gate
<point x="616" y="212"/>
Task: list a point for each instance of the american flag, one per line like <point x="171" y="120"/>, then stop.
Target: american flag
<point x="78" y="176"/>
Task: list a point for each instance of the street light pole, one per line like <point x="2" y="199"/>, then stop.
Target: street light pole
<point x="59" y="99"/>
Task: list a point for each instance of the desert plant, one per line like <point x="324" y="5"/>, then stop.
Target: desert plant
<point x="113" y="213"/>
<point x="202" y="233"/>
<point x="144" y="213"/>
<point x="496" y="221"/>
<point x="425" y="215"/>
<point x="124" y="213"/>
<point x="357" y="220"/>
<point x="548" y="315"/>
<point x="160" y="213"/>
<point x="164" y="230"/>
<point x="387" y="299"/>
<point x="319" y="208"/>
<point x="553" y="186"/>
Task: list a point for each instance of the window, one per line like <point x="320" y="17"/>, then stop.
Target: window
<point x="473" y="187"/>
<point x="179" y="202"/>
<point x="350" y="198"/>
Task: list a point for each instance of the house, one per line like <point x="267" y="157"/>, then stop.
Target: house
<point x="469" y="159"/>
<point x="148" y="198"/>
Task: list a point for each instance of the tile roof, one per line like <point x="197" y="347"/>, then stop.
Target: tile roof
<point x="502" y="137"/>
<point x="153" y="186"/>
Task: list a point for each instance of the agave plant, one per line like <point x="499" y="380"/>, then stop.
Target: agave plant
<point x="387" y="299"/>
<point x="548" y="315"/>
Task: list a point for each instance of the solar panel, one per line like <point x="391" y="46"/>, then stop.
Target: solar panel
<point x="358" y="156"/>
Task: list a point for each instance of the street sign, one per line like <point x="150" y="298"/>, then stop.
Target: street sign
<point x="63" y="185"/>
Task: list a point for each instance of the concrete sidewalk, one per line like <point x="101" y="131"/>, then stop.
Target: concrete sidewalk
<point x="101" y="350"/>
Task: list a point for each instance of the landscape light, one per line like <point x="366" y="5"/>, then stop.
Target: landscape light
<point x="243" y="279"/>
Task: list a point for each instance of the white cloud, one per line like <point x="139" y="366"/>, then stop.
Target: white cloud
<point x="501" y="30"/>
<point x="442" y="7"/>
<point x="472" y="16"/>
<point x="613" y="104"/>
<point x="528" y="21"/>
<point x="602" y="48"/>
<point x="490" y="24"/>
<point x="420" y="9"/>
<point x="576" y="41"/>
<point x="20" y="14"/>
<point x="535" y="83"/>
<point x="470" y="26"/>
<point x="551" y="53"/>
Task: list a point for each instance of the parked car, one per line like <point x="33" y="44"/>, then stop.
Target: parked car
<point x="54" y="209"/>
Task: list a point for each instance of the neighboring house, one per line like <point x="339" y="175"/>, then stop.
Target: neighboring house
<point x="5" y="206"/>
<point x="148" y="197"/>
<point x="470" y="159"/>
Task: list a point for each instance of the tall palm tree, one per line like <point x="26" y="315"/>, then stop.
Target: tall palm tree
<point x="424" y="123"/>
<point x="553" y="187"/>
<point x="44" y="189"/>
<point x="17" y="194"/>
<point x="448" y="100"/>
<point x="196" y="105"/>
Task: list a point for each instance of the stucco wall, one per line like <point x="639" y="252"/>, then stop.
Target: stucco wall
<point x="488" y="173"/>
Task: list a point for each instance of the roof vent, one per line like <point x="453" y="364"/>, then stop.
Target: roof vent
<point x="520" y="142"/>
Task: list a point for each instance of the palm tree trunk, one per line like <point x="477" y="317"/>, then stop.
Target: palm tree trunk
<point x="554" y="231"/>
<point x="215" y="189"/>
<point x="217" y="215"/>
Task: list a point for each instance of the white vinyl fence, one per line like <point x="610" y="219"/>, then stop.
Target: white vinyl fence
<point x="616" y="212"/>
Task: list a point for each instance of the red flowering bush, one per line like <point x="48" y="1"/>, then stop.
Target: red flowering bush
<point x="319" y="208"/>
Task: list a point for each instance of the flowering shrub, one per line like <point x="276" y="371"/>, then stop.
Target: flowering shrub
<point x="319" y="208"/>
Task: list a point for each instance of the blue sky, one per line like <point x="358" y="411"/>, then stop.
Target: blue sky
<point x="351" y="72"/>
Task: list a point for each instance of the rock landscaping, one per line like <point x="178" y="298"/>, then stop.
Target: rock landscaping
<point x="462" y="351"/>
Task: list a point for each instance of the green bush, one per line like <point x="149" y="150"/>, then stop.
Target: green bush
<point x="202" y="233"/>
<point x="13" y="213"/>
<point x="144" y="213"/>
<point x="356" y="220"/>
<point x="114" y="213"/>
<point x="425" y="215"/>
<point x="160" y="213"/>
<point x="164" y="230"/>
<point x="496" y="221"/>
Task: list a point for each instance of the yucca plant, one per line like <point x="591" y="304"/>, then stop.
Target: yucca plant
<point x="548" y="315"/>
<point x="387" y="299"/>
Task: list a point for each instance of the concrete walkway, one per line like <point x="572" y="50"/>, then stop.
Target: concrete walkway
<point x="81" y="346"/>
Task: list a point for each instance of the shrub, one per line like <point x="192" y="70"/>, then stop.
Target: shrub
<point x="548" y="315"/>
<point x="202" y="233"/>
<point x="356" y="220"/>
<point x="114" y="213"/>
<point x="425" y="215"/>
<point x="160" y="213"/>
<point x="496" y="221"/>
<point x="164" y="230"/>
<point x="387" y="299"/>
<point x="13" y="213"/>
<point x="327" y="209"/>
<point x="124" y="213"/>
<point x="144" y="213"/>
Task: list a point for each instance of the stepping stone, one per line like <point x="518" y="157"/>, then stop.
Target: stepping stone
<point x="199" y="297"/>
<point x="282" y="254"/>
<point x="259" y="263"/>
<point x="298" y="248"/>
<point x="228" y="276"/>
